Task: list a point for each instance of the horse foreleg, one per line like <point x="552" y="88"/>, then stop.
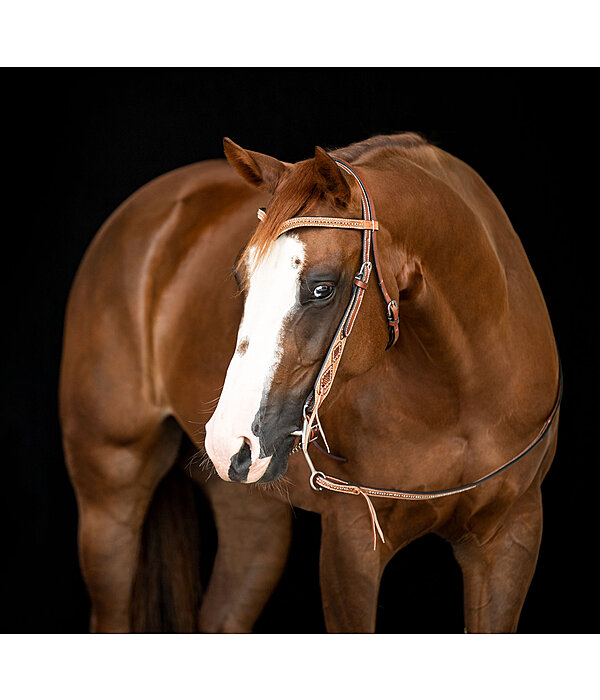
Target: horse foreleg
<point x="254" y="535"/>
<point x="350" y="570"/>
<point x="497" y="572"/>
<point x="114" y="486"/>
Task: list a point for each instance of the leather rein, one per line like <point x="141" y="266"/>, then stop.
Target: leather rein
<point x="311" y="428"/>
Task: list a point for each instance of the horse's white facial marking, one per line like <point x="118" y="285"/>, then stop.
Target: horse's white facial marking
<point x="273" y="292"/>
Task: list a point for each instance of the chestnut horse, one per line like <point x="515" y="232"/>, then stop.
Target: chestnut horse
<point x="184" y="297"/>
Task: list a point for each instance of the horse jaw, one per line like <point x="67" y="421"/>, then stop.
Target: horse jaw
<point x="273" y="294"/>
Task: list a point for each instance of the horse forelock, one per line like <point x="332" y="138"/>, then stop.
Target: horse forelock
<point x="297" y="192"/>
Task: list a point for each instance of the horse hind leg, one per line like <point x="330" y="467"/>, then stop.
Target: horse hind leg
<point x="114" y="484"/>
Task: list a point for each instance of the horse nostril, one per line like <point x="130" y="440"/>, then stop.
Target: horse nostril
<point x="240" y="463"/>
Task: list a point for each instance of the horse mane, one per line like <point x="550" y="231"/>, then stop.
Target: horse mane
<point x="299" y="191"/>
<point x="403" y="141"/>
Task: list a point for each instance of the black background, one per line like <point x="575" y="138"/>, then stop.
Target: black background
<point x="78" y="142"/>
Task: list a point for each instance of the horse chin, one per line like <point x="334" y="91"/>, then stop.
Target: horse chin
<point x="257" y="470"/>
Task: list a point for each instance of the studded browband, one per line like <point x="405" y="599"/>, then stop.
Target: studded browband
<point x="322" y="386"/>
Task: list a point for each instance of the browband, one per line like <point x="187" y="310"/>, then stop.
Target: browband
<point x="321" y="221"/>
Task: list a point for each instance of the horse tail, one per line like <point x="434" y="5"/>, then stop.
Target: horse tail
<point x="167" y="588"/>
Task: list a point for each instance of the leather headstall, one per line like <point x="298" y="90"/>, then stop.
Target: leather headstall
<point x="311" y="428"/>
<point x="369" y="226"/>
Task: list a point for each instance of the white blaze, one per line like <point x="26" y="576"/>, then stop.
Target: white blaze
<point x="273" y="291"/>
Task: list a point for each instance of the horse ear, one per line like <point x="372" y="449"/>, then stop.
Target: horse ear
<point x="258" y="169"/>
<point x="330" y="177"/>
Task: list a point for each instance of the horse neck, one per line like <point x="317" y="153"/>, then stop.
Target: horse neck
<point x="455" y="315"/>
<point x="450" y="334"/>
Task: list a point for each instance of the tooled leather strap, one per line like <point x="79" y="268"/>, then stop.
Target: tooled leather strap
<point x="369" y="212"/>
<point x="327" y="222"/>
<point x="321" y="221"/>
<point x="320" y="480"/>
<point x="369" y="227"/>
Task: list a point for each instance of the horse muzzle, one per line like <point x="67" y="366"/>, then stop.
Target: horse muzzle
<point x="248" y="459"/>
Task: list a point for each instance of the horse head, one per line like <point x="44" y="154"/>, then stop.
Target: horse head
<point x="295" y="288"/>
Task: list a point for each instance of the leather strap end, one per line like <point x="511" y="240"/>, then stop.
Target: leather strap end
<point x="393" y="336"/>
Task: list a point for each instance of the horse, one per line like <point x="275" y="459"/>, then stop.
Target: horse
<point x="395" y="372"/>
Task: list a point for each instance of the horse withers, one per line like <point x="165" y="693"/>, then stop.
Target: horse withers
<point x="450" y="371"/>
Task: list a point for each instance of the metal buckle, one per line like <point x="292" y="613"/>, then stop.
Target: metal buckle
<point x="311" y="480"/>
<point x="392" y="311"/>
<point x="360" y="275"/>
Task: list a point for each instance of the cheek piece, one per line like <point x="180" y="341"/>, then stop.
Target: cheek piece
<point x="311" y="427"/>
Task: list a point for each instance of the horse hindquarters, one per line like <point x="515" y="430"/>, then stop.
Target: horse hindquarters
<point x="117" y="448"/>
<point x="114" y="485"/>
<point x="167" y="589"/>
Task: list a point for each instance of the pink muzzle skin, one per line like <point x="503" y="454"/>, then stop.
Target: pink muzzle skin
<point x="222" y="443"/>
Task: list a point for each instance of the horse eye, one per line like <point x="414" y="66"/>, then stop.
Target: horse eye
<point x="322" y="291"/>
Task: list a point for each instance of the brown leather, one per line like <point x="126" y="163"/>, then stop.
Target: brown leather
<point x="326" y="375"/>
<point x="331" y="483"/>
<point x="327" y="222"/>
<point x="392" y="307"/>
